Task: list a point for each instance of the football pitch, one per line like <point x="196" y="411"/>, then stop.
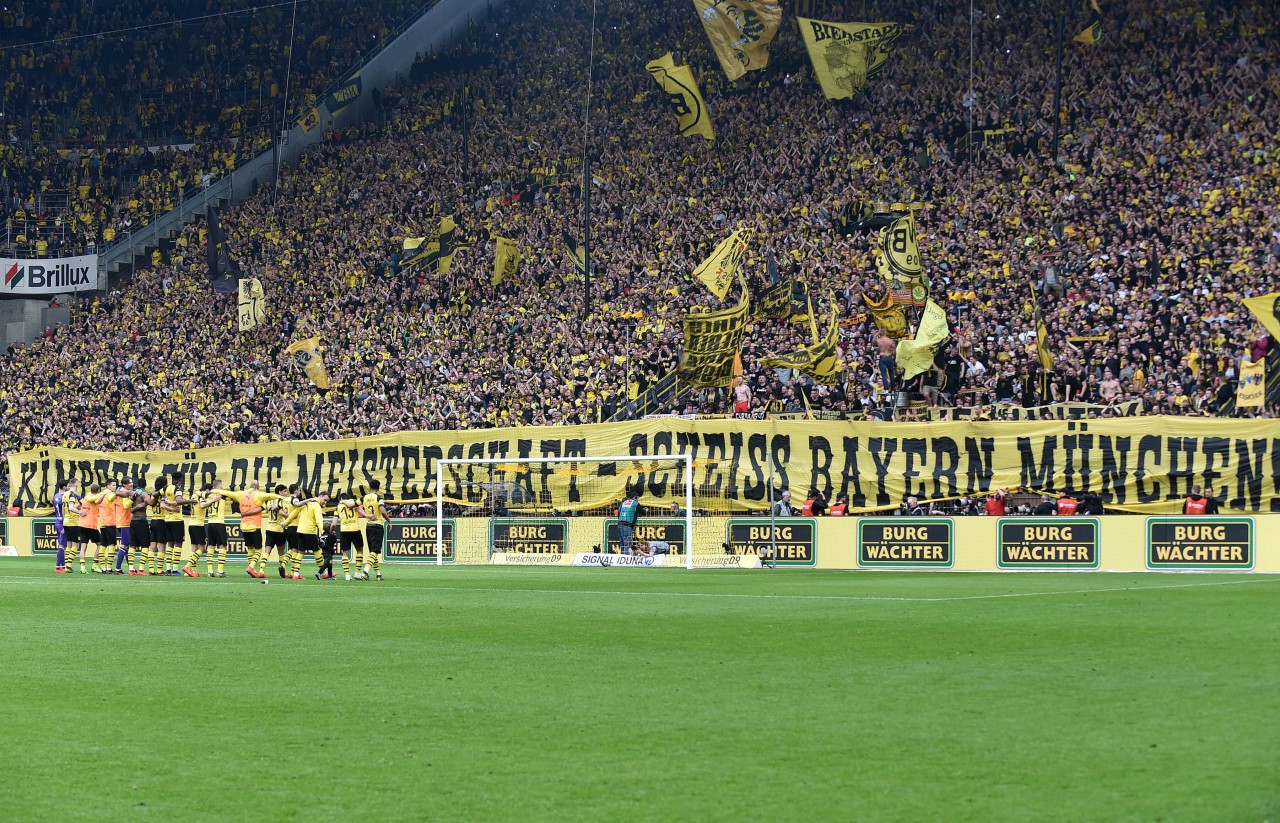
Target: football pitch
<point x="479" y="693"/>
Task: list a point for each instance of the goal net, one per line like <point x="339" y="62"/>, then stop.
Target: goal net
<point x="564" y="511"/>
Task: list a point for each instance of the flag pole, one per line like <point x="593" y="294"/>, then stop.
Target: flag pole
<point x="1057" y="91"/>
<point x="586" y="174"/>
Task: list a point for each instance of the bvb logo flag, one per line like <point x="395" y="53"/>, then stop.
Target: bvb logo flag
<point x="306" y="353"/>
<point x="916" y="356"/>
<point x="901" y="250"/>
<point x="506" y="259"/>
<point x="845" y="55"/>
<point x="686" y="100"/>
<point x="775" y="301"/>
<point x="252" y="304"/>
<point x="889" y="317"/>
<point x="821" y="361"/>
<point x="712" y="341"/>
<point x="740" y="31"/>
<point x="1252" y="387"/>
<point x="718" y="270"/>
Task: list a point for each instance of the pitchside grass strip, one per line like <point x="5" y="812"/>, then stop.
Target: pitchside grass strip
<point x="482" y="693"/>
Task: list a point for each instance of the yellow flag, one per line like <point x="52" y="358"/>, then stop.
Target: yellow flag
<point x="252" y="304"/>
<point x="1267" y="309"/>
<point x="1042" y="334"/>
<point x="890" y="317"/>
<point x="1253" y="382"/>
<point x="682" y="91"/>
<point x="740" y="32"/>
<point x="821" y="361"/>
<point x="436" y="249"/>
<point x="506" y="259"/>
<point x="901" y="250"/>
<point x="306" y="353"/>
<point x="411" y="243"/>
<point x="718" y="270"/>
<point x="711" y="342"/>
<point x="845" y="55"/>
<point x="916" y="356"/>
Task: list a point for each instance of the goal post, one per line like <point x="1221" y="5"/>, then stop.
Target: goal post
<point x="548" y="510"/>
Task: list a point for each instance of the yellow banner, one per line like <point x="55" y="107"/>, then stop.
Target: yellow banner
<point x="1253" y="382"/>
<point x="682" y="91"/>
<point x="740" y="32"/>
<point x="306" y="353"/>
<point x="1136" y="464"/>
<point x="821" y="361"/>
<point x="845" y="55"/>
<point x="252" y="304"/>
<point x="1267" y="309"/>
<point x="506" y="259"/>
<point x="916" y="356"/>
<point x="712" y="341"/>
<point x="718" y="270"/>
<point x="309" y="121"/>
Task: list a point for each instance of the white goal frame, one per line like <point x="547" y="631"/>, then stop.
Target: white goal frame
<point x="686" y="459"/>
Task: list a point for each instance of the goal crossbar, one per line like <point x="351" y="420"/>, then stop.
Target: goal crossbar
<point x="685" y="459"/>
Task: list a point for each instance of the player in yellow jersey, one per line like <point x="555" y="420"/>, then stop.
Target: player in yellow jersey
<point x="310" y="522"/>
<point x="213" y="507"/>
<point x="152" y="555"/>
<point x="375" y="515"/>
<point x="195" y="512"/>
<point x="350" y="540"/>
<point x="174" y="525"/>
<point x="71" y="512"/>
<point x="273" y="516"/>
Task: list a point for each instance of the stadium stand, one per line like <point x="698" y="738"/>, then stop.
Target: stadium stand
<point x="1158" y="219"/>
<point x="105" y="132"/>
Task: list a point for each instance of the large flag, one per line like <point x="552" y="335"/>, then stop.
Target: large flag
<point x="252" y="304"/>
<point x="916" y="356"/>
<point x="682" y="91"/>
<point x="306" y="353"/>
<point x="712" y="341"/>
<point x="577" y="254"/>
<point x="1252" y="386"/>
<point x="1092" y="31"/>
<point x="888" y="315"/>
<point x="718" y="270"/>
<point x="901" y="250"/>
<point x="224" y="271"/>
<point x="845" y="55"/>
<point x="821" y="360"/>
<point x="740" y="31"/>
<point x="436" y="250"/>
<point x="1042" y="334"/>
<point x="506" y="259"/>
<point x="1267" y="309"/>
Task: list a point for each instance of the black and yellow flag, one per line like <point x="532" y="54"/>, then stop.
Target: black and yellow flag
<point x="1267" y="309"/>
<point x="901" y="249"/>
<point x="718" y="270"/>
<point x="252" y="304"/>
<point x="845" y="55"/>
<point x="821" y="360"/>
<point x="345" y="94"/>
<point x="436" y="250"/>
<point x="306" y="353"/>
<point x="577" y="254"/>
<point x="712" y="342"/>
<point x="224" y="271"/>
<point x="888" y="315"/>
<point x="1092" y="31"/>
<point x="506" y="259"/>
<point x="916" y="356"/>
<point x="740" y="32"/>
<point x="682" y="91"/>
<point x="1042" y="334"/>
<point x="775" y="301"/>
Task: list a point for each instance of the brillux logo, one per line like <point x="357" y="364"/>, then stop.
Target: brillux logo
<point x="63" y="275"/>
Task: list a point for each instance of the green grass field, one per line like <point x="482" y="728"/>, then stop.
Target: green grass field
<point x="633" y="694"/>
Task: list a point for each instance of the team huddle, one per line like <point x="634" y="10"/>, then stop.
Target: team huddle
<point x="123" y="523"/>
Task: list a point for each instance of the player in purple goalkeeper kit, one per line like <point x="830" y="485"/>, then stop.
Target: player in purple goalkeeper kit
<point x="60" y="565"/>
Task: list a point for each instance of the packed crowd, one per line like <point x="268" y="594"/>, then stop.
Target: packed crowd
<point x="89" y="86"/>
<point x="1159" y="219"/>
